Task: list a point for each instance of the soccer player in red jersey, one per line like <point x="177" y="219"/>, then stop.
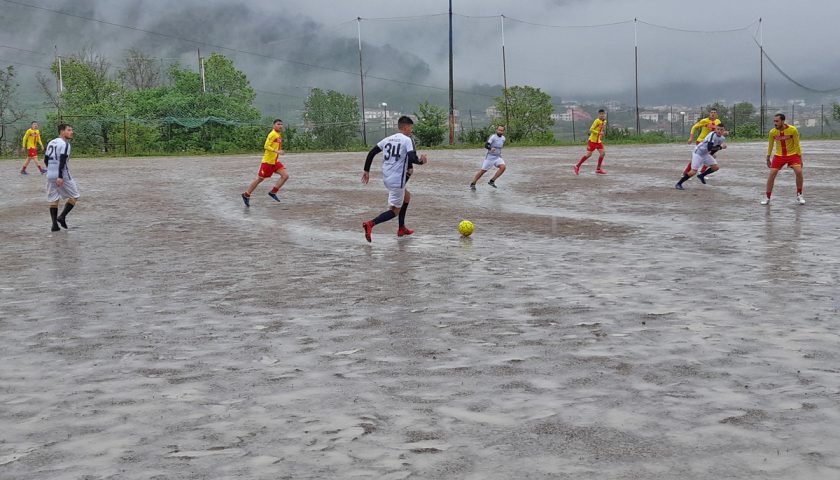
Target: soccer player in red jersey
<point x="595" y="142"/>
<point x="788" y="152"/>
<point x="271" y="164"/>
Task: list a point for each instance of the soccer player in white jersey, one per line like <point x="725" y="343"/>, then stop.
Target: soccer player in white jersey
<point x="703" y="155"/>
<point x="399" y="156"/>
<point x="493" y="157"/>
<point x="60" y="185"/>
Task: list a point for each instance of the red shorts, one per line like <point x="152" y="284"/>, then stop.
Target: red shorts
<point x="33" y="152"/>
<point x="592" y="146"/>
<point x="267" y="169"/>
<point x="780" y="161"/>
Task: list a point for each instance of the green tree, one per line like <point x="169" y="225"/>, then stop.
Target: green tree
<point x="836" y="113"/>
<point x="10" y="112"/>
<point x="332" y="117"/>
<point x="529" y="110"/>
<point x="430" y="128"/>
<point x="744" y="112"/>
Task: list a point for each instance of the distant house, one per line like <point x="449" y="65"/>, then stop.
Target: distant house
<point x="649" y="116"/>
<point x="576" y="112"/>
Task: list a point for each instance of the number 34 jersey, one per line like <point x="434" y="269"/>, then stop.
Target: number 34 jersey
<point x="396" y="163"/>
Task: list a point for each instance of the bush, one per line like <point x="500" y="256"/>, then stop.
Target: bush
<point x="430" y="128"/>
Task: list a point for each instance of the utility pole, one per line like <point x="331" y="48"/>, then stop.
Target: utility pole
<point x="201" y="72"/>
<point x="362" y="80"/>
<point x="504" y="74"/>
<point x="451" y="83"/>
<point x="761" y="71"/>
<point x="636" y="46"/>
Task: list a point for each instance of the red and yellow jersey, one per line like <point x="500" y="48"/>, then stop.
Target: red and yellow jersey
<point x="704" y="126"/>
<point x="273" y="142"/>
<point x="596" y="131"/>
<point x="786" y="140"/>
<point x="32" y="138"/>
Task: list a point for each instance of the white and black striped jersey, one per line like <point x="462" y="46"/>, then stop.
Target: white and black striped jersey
<point x="57" y="158"/>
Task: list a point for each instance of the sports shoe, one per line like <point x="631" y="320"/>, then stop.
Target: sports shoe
<point x="368" y="226"/>
<point x="600" y="172"/>
<point x="800" y="200"/>
<point x="472" y="187"/>
<point x="577" y="169"/>
<point x="404" y="231"/>
<point x="766" y="201"/>
<point x="55" y="228"/>
<point x="701" y="178"/>
<point x="246" y="199"/>
<point x="492" y="184"/>
<point x="43" y="171"/>
<point x="61" y="221"/>
<point x="274" y="196"/>
<point x="24" y="172"/>
<point x="679" y="187"/>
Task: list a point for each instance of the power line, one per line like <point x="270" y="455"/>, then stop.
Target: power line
<point x="675" y="29"/>
<point x="23" y="64"/>
<point x="237" y="50"/>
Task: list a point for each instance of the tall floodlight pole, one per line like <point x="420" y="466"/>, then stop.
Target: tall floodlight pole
<point x="761" y="71"/>
<point x="636" y="46"/>
<point x="451" y="84"/>
<point x="504" y="74"/>
<point x="362" y="80"/>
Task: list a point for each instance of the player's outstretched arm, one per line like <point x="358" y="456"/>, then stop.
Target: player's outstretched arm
<point x="369" y="161"/>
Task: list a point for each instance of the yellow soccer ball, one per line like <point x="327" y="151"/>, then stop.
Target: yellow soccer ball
<point x="466" y="228"/>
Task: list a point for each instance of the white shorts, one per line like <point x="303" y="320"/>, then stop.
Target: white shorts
<point x="56" y="193"/>
<point x="396" y="197"/>
<point x="490" y="162"/>
<point x="698" y="160"/>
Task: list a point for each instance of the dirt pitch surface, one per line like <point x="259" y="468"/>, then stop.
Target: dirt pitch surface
<point x="593" y="327"/>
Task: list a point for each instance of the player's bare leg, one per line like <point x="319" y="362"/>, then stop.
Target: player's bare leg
<point x="498" y="174"/>
<point x="62" y="219"/>
<point x="403" y="230"/>
<point x="246" y="197"/>
<point x="771" y="180"/>
<point x="584" y="158"/>
<point x="601" y="155"/>
<point x="800" y="183"/>
<point x="284" y="176"/>
<point x="476" y="178"/>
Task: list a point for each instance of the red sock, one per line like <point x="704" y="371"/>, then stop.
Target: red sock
<point x="600" y="161"/>
<point x="582" y="159"/>
<point x="799" y="191"/>
<point x="247" y="194"/>
<point x="768" y="194"/>
<point x="275" y="190"/>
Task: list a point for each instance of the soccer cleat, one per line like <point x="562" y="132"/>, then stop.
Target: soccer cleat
<point x="43" y="171"/>
<point x="274" y="196"/>
<point x="800" y="200"/>
<point x="601" y="172"/>
<point x="472" y="187"/>
<point x="55" y="228"/>
<point x="701" y="178"/>
<point x="766" y="201"/>
<point x="577" y="169"/>
<point x="679" y="186"/>
<point x="24" y="172"/>
<point x="246" y="199"/>
<point x="492" y="184"/>
<point x="61" y="221"/>
<point x="368" y="226"/>
<point x="404" y="231"/>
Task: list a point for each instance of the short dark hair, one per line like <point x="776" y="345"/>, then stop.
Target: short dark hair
<point x="404" y="120"/>
<point x="713" y="110"/>
<point x="276" y="120"/>
<point x="720" y="125"/>
<point x="602" y="111"/>
<point x="63" y="126"/>
<point x="780" y="115"/>
<point x="33" y="122"/>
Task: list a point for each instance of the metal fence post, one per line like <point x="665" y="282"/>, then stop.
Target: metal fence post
<point x="574" y="138"/>
<point x="125" y="135"/>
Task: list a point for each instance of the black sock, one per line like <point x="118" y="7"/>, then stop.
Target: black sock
<point x="402" y="214"/>
<point x="706" y="173"/>
<point x="684" y="178"/>
<point x="384" y="217"/>
<point x="54" y="215"/>
<point x="67" y="208"/>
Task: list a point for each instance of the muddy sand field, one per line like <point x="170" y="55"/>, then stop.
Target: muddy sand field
<point x="593" y="327"/>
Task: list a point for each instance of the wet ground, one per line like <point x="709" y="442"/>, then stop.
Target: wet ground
<point x="603" y="327"/>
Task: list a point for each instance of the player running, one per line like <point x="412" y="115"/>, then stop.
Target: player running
<point x="595" y="142"/>
<point x="703" y="155"/>
<point x="493" y="157"/>
<point x="31" y="140"/>
<point x="400" y="154"/>
<point x="270" y="164"/>
<point x="706" y="126"/>
<point x="60" y="185"/>
<point x="788" y="152"/>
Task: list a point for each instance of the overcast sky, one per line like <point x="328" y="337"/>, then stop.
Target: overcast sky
<point x="584" y="63"/>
